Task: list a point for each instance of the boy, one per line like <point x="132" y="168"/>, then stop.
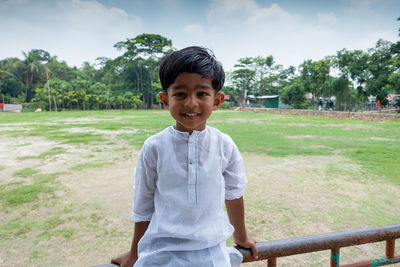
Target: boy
<point x="186" y="173"/>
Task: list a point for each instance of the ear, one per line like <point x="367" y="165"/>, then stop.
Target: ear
<point x="164" y="99"/>
<point x="218" y="99"/>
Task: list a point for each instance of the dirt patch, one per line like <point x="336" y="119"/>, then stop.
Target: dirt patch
<point x="299" y="193"/>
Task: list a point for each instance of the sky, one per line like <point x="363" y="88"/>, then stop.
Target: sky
<point x="290" y="30"/>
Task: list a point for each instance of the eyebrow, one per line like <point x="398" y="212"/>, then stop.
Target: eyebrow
<point x="198" y="87"/>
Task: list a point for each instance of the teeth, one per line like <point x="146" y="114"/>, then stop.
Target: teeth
<point x="191" y="114"/>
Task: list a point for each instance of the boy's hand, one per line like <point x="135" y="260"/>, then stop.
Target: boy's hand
<point x="249" y="243"/>
<point x="125" y="260"/>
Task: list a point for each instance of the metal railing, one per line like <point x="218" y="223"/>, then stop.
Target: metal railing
<point x="272" y="250"/>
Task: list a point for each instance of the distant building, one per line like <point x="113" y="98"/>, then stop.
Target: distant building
<point x="270" y="101"/>
<point x="393" y="98"/>
<point x="16" y="108"/>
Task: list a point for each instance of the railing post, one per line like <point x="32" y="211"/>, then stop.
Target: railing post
<point x="390" y="244"/>
<point x="271" y="262"/>
<point x="335" y="257"/>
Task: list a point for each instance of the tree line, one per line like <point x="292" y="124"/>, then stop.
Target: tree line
<point x="130" y="81"/>
<point x="350" y="76"/>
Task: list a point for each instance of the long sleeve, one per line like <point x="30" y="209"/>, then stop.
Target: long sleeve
<point x="234" y="175"/>
<point x="144" y="186"/>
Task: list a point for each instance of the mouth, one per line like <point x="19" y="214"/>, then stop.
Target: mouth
<point x="190" y="115"/>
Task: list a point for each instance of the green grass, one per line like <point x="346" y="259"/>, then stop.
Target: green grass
<point x="18" y="193"/>
<point x="52" y="152"/>
<point x="47" y="154"/>
<point x="370" y="153"/>
<point x="35" y="254"/>
<point x="26" y="172"/>
<point x="24" y="193"/>
<point x="84" y="166"/>
<point x="373" y="145"/>
<point x="52" y="223"/>
<point x="15" y="228"/>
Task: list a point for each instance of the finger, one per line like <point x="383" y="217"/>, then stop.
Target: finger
<point x="255" y="252"/>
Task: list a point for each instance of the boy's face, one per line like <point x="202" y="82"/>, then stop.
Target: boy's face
<point x="191" y="99"/>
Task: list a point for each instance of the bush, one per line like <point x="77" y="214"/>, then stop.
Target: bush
<point x="225" y="105"/>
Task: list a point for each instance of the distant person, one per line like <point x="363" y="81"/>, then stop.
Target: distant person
<point x="378" y="105"/>
<point x="320" y="103"/>
<point x="330" y="104"/>
<point x="186" y="173"/>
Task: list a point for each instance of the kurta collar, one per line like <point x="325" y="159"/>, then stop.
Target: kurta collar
<point x="186" y="135"/>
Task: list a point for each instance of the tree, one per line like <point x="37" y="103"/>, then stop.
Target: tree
<point x="394" y="65"/>
<point x="294" y="94"/>
<point x="243" y="78"/>
<point x="33" y="62"/>
<point x="61" y="70"/>
<point x="340" y="86"/>
<point x="379" y="71"/>
<point x="354" y="66"/>
<point x="142" y="55"/>
<point x="314" y="76"/>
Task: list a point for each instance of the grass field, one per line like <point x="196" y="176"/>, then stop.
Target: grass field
<point x="66" y="181"/>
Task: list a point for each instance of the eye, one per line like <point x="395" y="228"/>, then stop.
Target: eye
<point x="201" y="94"/>
<point x="179" y="94"/>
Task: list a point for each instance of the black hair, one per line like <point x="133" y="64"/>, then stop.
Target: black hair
<point x="192" y="59"/>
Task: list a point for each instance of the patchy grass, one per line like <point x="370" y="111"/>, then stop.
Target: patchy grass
<point x="26" y="172"/>
<point x="47" y="154"/>
<point x="19" y="193"/>
<point x="83" y="166"/>
<point x="356" y="186"/>
<point x="24" y="194"/>
<point x="374" y="145"/>
<point x="24" y="144"/>
<point x="52" y="153"/>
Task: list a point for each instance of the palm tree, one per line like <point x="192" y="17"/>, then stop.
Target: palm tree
<point x="33" y="63"/>
<point x="47" y="72"/>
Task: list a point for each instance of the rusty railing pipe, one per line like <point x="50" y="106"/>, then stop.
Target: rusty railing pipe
<point x="300" y="245"/>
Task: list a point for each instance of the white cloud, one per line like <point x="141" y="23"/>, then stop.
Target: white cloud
<point x="273" y="13"/>
<point x="195" y="29"/>
<point x="327" y="18"/>
<point x="231" y="6"/>
<point x="251" y="30"/>
<point x="73" y="30"/>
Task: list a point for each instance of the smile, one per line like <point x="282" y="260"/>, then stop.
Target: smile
<point x="191" y="114"/>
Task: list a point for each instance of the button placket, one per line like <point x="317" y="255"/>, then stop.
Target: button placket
<point x="192" y="170"/>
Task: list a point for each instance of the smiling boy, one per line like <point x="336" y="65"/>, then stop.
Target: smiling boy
<point x="186" y="173"/>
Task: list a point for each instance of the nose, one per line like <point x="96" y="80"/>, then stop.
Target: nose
<point x="191" y="100"/>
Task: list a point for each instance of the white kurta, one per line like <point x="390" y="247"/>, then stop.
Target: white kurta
<point x="181" y="183"/>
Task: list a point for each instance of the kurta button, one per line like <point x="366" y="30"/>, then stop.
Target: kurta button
<point x="190" y="162"/>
